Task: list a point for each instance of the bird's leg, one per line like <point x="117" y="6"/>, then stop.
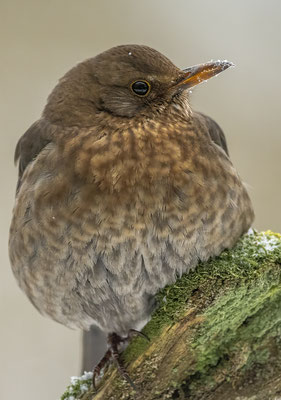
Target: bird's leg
<point x="115" y="341"/>
<point x="113" y="353"/>
<point x="105" y="360"/>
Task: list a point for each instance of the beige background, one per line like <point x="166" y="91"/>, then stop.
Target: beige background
<point x="40" y="40"/>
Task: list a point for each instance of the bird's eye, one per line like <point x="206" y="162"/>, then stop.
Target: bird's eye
<point x="141" y="88"/>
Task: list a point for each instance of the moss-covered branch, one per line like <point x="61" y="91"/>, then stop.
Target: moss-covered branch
<point x="215" y="335"/>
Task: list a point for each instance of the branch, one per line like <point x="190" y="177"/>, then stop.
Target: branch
<point x="214" y="336"/>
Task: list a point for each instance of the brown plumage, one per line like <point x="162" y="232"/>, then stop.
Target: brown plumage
<point x="122" y="188"/>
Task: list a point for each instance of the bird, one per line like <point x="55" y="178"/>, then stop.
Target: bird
<point x="122" y="188"/>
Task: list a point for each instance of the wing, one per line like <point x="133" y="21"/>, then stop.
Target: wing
<point x="31" y="144"/>
<point x="212" y="128"/>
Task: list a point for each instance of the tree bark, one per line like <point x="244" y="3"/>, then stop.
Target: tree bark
<point x="214" y="336"/>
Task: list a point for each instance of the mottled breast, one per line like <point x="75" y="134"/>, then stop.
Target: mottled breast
<point x="122" y="214"/>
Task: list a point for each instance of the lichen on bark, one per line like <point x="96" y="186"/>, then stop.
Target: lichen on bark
<point x="214" y="335"/>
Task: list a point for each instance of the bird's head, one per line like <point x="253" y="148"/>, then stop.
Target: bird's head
<point x="124" y="81"/>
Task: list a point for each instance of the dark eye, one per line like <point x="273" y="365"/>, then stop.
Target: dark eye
<point x="141" y="88"/>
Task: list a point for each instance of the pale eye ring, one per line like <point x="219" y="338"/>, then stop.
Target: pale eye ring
<point x="140" y="88"/>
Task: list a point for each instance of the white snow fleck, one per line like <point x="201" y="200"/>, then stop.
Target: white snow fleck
<point x="129" y="54"/>
<point x="84" y="387"/>
<point x="269" y="242"/>
<point x="265" y="241"/>
<point x="87" y="375"/>
<point x="71" y="398"/>
<point x="74" y="380"/>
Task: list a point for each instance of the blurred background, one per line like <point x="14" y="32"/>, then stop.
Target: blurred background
<point x="41" y="40"/>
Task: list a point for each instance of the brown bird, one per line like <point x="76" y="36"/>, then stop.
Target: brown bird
<point x="122" y="188"/>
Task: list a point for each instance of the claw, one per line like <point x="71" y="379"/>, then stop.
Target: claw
<point x="134" y="332"/>
<point x="113" y="354"/>
<point x="122" y="370"/>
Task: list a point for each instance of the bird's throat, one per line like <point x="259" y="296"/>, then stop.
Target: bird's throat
<point x="142" y="155"/>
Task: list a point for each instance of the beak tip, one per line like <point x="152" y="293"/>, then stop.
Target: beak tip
<point x="226" y="64"/>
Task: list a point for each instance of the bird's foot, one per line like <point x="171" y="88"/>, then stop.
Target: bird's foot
<point x="113" y="354"/>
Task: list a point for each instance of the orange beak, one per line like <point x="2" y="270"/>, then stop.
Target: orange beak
<point x="201" y="72"/>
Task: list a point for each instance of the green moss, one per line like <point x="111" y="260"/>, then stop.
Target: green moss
<point x="245" y="263"/>
<point x="226" y="322"/>
<point x="245" y="315"/>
